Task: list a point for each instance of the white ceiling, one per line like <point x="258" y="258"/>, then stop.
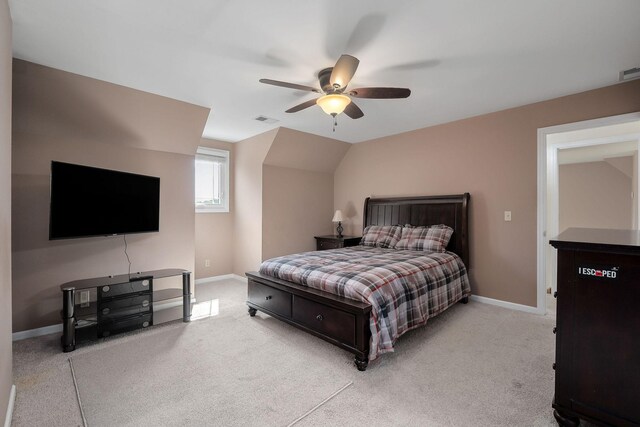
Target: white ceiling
<point x="597" y="153"/>
<point x="597" y="144"/>
<point x="460" y="58"/>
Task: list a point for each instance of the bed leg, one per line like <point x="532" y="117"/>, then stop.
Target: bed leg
<point x="464" y="300"/>
<point x="362" y="362"/>
<point x="252" y="311"/>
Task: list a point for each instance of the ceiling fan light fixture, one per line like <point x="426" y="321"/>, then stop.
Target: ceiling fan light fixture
<point x="333" y="104"/>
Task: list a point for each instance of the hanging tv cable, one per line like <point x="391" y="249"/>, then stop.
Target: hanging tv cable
<point x="125" y="252"/>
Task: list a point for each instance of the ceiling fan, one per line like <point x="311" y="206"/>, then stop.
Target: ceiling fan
<point x="336" y="98"/>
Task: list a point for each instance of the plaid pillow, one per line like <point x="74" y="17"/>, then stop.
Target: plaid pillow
<point x="381" y="236"/>
<point x="434" y="238"/>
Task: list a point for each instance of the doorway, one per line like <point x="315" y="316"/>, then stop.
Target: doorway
<point x="594" y="140"/>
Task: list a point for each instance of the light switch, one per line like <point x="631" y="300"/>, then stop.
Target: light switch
<point x="507" y="215"/>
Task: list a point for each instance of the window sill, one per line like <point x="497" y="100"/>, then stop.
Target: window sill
<point x="214" y="210"/>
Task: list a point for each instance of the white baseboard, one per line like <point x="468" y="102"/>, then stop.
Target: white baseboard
<point x="12" y="401"/>
<point x="484" y="300"/>
<point x="38" y="332"/>
<point x="219" y="278"/>
<point x="52" y="329"/>
<point x="241" y="278"/>
<point x="506" y="304"/>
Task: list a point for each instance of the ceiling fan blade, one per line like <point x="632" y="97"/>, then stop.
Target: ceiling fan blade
<point x="353" y="111"/>
<point x="306" y="104"/>
<point x="289" y="85"/>
<point x="344" y="70"/>
<point x="380" y="92"/>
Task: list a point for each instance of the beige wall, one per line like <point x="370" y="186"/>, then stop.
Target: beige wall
<point x="300" y="150"/>
<point x="6" y="376"/>
<point x="296" y="206"/>
<point x="594" y="195"/>
<point x="283" y="194"/>
<point x="215" y="231"/>
<point x="297" y="191"/>
<point x="249" y="156"/>
<point x="282" y="179"/>
<point x="491" y="156"/>
<point x="40" y="265"/>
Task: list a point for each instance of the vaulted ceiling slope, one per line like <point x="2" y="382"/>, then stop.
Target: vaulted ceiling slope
<point x="460" y="59"/>
<point x="51" y="102"/>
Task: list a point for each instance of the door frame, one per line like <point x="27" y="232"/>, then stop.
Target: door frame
<point x="548" y="202"/>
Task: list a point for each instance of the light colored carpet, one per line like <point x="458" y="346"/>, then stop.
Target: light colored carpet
<point x="474" y="365"/>
<point x="217" y="371"/>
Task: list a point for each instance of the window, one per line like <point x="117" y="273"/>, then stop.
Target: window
<point x="212" y="180"/>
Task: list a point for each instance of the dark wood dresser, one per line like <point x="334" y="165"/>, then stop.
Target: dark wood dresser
<point x="335" y="242"/>
<point x="598" y="327"/>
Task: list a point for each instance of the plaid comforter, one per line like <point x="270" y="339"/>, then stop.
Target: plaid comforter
<point x="404" y="287"/>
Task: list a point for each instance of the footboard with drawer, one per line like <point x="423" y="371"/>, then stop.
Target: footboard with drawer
<point x="340" y="321"/>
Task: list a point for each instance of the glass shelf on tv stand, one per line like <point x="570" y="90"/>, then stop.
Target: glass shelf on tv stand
<point x="80" y="318"/>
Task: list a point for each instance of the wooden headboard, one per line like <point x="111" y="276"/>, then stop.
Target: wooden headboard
<point x="424" y="210"/>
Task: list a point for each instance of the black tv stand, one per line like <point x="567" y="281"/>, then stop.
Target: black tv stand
<point x="116" y="304"/>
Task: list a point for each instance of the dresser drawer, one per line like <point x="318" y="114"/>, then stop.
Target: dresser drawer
<point x="270" y="298"/>
<point x="133" y="287"/>
<point x="334" y="242"/>
<point x="323" y="244"/>
<point x="332" y="322"/>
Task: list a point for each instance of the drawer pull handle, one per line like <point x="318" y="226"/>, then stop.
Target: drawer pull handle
<point x="268" y="297"/>
<point x="554" y="329"/>
<point x="319" y="317"/>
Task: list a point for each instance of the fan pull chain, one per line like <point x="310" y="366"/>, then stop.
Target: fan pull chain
<point x="335" y="121"/>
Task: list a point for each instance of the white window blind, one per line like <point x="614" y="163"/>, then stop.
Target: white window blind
<point x="212" y="180"/>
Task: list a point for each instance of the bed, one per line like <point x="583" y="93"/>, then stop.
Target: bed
<point x="318" y="291"/>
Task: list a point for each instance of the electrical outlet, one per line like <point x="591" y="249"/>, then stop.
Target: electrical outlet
<point x="207" y="263"/>
<point x="507" y="215"/>
<point x="84" y="298"/>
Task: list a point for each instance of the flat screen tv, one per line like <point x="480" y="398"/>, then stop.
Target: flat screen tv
<point x="88" y="201"/>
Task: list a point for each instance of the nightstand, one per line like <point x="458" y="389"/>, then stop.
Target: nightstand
<point x="335" y="242"/>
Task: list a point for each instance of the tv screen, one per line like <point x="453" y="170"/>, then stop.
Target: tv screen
<point x="88" y="201"/>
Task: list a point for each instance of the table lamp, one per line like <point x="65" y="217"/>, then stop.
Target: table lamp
<point x="337" y="217"/>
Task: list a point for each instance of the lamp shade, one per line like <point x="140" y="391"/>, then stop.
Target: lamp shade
<point x="337" y="217"/>
<point x="333" y="104"/>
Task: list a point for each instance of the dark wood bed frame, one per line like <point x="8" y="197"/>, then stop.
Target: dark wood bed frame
<point x="345" y="322"/>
